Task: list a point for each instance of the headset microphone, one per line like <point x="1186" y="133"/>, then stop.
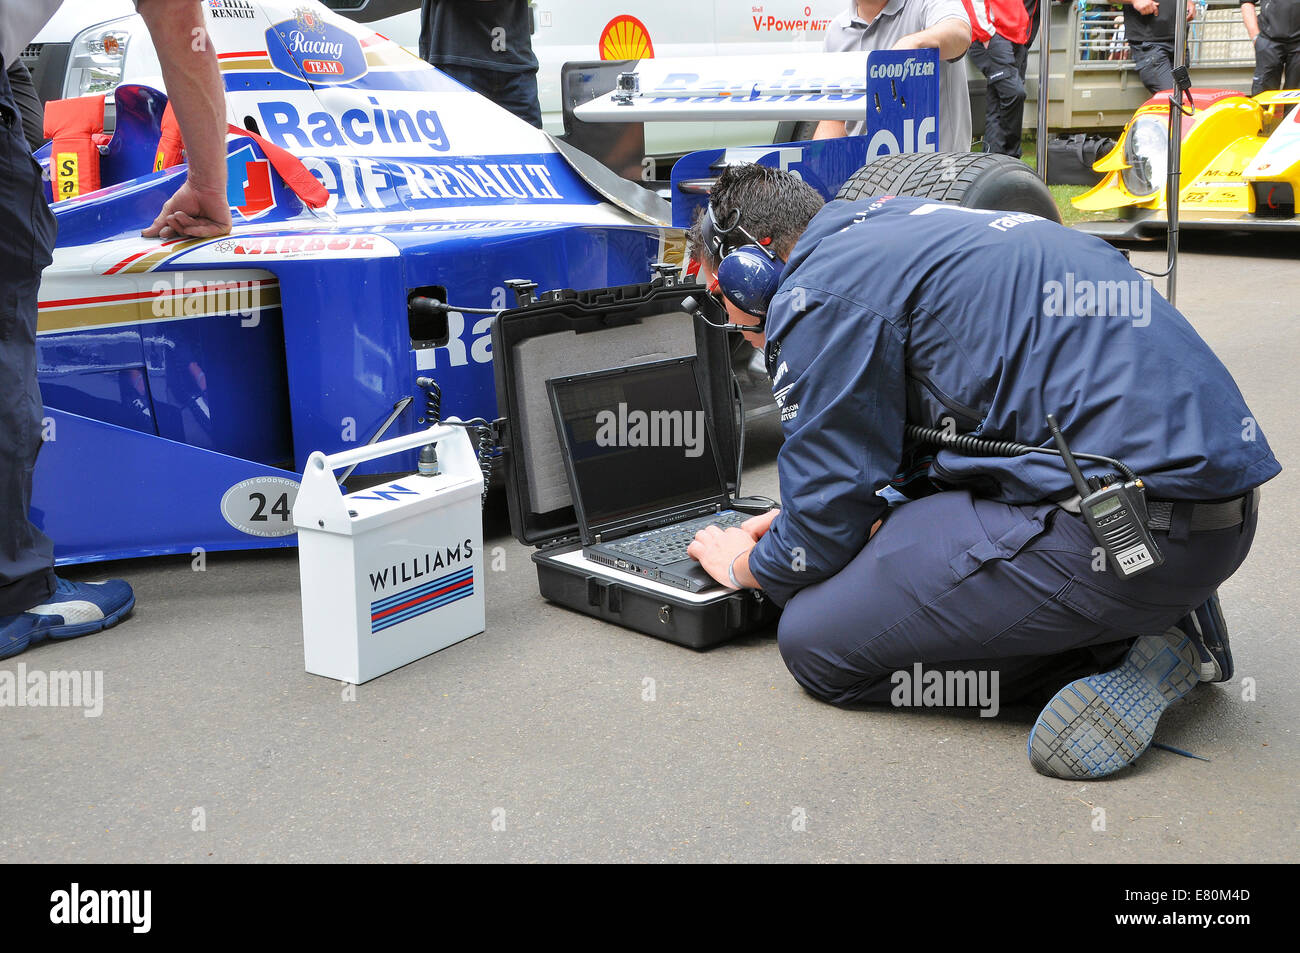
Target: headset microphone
<point x="700" y="309"/>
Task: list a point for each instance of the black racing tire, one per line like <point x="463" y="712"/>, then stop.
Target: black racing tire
<point x="970" y="179"/>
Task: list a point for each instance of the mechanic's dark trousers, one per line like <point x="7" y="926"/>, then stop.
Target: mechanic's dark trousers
<point x="26" y="237"/>
<point x="1277" y="65"/>
<point x="29" y="105"/>
<point x="1155" y="64"/>
<point x="962" y="584"/>
<point x="1003" y="65"/>
<point x="516" y="92"/>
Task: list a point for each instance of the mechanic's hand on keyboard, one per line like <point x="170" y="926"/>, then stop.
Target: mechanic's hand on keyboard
<point x="715" y="549"/>
<point x="756" y="526"/>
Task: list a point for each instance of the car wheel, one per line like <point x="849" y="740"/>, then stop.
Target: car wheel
<point x="971" y="179"/>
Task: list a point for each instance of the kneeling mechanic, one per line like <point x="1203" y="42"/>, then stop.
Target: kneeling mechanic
<point x="883" y="313"/>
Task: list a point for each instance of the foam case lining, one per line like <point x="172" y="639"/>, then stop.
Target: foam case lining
<point x="574" y="332"/>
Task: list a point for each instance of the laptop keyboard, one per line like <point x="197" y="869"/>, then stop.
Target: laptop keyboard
<point x="668" y="543"/>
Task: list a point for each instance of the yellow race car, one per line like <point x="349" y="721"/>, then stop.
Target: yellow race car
<point x="1240" y="165"/>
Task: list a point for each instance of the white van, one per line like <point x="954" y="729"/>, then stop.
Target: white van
<point x="92" y="45"/>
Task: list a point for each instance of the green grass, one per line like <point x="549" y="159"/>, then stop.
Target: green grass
<point x="1063" y="193"/>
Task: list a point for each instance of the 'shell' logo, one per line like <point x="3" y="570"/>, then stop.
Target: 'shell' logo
<point x="625" y="38"/>
<point x="248" y="183"/>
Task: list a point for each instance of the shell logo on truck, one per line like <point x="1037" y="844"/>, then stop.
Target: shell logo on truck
<point x="626" y="38"/>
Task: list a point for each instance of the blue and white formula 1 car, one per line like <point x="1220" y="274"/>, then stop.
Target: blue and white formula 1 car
<point x="186" y="382"/>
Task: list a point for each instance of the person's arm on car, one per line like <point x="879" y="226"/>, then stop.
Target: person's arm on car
<point x="950" y="36"/>
<point x="199" y="208"/>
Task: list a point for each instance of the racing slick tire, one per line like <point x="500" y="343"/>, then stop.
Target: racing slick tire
<point x="972" y="179"/>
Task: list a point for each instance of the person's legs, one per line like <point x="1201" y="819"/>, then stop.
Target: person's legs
<point x="1291" y="66"/>
<point x="979" y="55"/>
<point x="962" y="584"/>
<point x="26" y="238"/>
<point x="516" y="92"/>
<point x="34" y="603"/>
<point x="938" y="585"/>
<point x="1155" y="65"/>
<point x="1268" y="65"/>
<point x="1006" y="98"/>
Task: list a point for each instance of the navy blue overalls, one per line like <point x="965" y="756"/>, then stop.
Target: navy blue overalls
<point x="903" y="310"/>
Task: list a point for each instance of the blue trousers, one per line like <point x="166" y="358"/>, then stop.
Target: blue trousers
<point x="960" y="583"/>
<point x="26" y="238"/>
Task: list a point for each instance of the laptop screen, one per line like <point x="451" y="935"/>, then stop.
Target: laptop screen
<point x="636" y="441"/>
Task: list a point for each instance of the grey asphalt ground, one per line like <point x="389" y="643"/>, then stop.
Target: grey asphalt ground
<point x="214" y="745"/>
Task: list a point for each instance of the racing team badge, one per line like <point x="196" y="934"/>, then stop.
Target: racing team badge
<point x="307" y="47"/>
<point x="308" y="21"/>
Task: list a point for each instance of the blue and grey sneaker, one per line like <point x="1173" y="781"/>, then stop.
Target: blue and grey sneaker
<point x="1208" y="631"/>
<point x="1096" y="725"/>
<point x="75" y="608"/>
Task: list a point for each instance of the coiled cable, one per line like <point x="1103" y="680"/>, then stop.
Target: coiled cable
<point x="968" y="443"/>
<point x="485" y="433"/>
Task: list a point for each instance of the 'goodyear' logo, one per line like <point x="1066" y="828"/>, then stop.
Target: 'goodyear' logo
<point x="909" y="67"/>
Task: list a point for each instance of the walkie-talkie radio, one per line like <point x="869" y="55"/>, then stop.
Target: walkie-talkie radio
<point x="1115" y="508"/>
<point x="1116" y="514"/>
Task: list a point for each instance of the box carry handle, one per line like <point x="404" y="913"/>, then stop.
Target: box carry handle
<point x="320" y="499"/>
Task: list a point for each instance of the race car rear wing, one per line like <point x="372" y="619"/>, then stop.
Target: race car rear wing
<point x="806" y="86"/>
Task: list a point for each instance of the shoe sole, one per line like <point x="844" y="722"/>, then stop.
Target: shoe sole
<point x="1221" y="652"/>
<point x="1097" y="725"/>
<point x="60" y="632"/>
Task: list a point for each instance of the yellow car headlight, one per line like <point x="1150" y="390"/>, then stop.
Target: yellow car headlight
<point x="1146" y="150"/>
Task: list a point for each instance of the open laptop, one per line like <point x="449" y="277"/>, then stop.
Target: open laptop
<point x="643" y="467"/>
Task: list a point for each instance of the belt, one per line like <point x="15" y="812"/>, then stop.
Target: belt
<point x="1204" y="516"/>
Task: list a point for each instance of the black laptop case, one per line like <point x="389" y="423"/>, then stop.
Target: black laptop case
<point x="568" y="332"/>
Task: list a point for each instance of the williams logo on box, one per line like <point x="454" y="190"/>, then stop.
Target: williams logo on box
<point x="429" y="591"/>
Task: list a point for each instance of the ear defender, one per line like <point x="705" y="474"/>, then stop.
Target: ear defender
<point x="747" y="275"/>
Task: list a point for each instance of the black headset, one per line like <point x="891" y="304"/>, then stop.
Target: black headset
<point x="748" y="274"/>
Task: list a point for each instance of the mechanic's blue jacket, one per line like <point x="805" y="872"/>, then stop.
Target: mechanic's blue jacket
<point x="897" y="311"/>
